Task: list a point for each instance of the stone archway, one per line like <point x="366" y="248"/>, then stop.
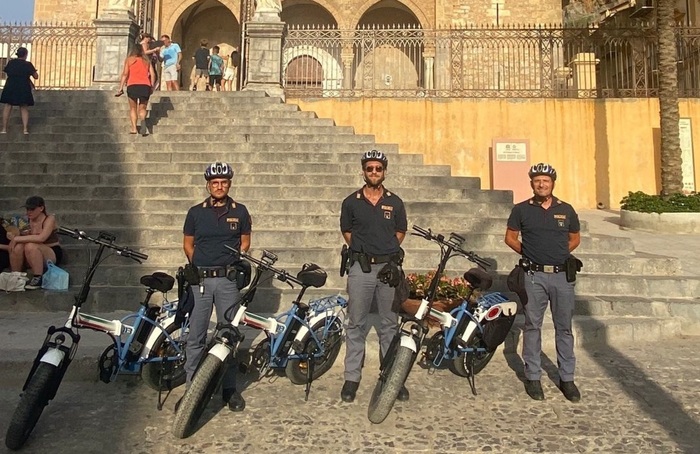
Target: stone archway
<point x="332" y="76"/>
<point x="213" y="20"/>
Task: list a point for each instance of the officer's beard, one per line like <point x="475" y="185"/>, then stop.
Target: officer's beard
<point x="371" y="185"/>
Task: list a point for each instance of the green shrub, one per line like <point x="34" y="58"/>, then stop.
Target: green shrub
<point x="676" y="203"/>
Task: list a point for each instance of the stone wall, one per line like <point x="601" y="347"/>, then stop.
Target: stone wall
<point x="601" y="148"/>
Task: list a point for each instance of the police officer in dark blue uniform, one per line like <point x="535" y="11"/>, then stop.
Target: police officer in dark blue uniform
<point x="373" y="223"/>
<point x="550" y="230"/>
<point x="217" y="221"/>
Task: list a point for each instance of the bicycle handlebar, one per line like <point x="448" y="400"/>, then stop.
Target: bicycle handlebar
<point x="455" y="242"/>
<point x="104" y="239"/>
<point x="266" y="264"/>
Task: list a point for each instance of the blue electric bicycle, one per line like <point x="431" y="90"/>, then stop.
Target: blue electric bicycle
<point x="147" y="341"/>
<point x="303" y="342"/>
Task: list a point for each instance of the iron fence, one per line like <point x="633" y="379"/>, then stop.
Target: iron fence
<point x="63" y="54"/>
<point x="483" y="62"/>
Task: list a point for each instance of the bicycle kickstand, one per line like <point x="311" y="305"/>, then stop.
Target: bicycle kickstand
<point x="310" y="362"/>
<point x="161" y="401"/>
<point x="470" y="377"/>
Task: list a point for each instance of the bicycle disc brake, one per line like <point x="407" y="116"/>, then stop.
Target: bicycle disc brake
<point x="260" y="358"/>
<point x="108" y="363"/>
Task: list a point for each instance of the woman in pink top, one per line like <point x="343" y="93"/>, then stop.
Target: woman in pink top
<point x="139" y="77"/>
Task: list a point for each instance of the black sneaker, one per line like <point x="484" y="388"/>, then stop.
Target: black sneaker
<point x="570" y="391"/>
<point x="403" y="394"/>
<point x="234" y="400"/>
<point x="534" y="389"/>
<point x="349" y="390"/>
<point x="34" y="283"/>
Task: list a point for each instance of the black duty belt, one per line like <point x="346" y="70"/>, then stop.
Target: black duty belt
<point x="374" y="259"/>
<point x="217" y="271"/>
<point x="547" y="268"/>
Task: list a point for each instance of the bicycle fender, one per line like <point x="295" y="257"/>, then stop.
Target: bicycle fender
<point x="155" y="334"/>
<point x="221" y="351"/>
<point x="53" y="356"/>
<point x="408" y="342"/>
<point x="304" y="330"/>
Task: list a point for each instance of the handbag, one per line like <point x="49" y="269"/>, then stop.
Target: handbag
<point x="13" y="282"/>
<point x="54" y="278"/>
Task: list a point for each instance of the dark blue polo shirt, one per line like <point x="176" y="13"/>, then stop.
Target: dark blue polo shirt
<point x="213" y="227"/>
<point x="544" y="233"/>
<point x="373" y="227"/>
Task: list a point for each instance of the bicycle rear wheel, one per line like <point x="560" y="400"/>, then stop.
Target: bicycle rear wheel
<point x="461" y="364"/>
<point x="35" y="397"/>
<point x="196" y="398"/>
<point x="166" y="375"/>
<point x="386" y="390"/>
<point x="331" y="341"/>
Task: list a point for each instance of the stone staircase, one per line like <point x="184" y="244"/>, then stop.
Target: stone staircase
<point x="292" y="171"/>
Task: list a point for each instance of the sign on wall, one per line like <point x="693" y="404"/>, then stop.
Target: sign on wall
<point x="688" y="168"/>
<point x="509" y="165"/>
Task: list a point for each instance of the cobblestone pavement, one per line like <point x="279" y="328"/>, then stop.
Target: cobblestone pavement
<point x="640" y="399"/>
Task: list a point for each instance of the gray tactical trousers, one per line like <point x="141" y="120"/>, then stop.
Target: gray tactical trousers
<point x="363" y="288"/>
<point x="548" y="289"/>
<point x="221" y="293"/>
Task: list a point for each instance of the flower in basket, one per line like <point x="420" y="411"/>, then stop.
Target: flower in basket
<point x="447" y="289"/>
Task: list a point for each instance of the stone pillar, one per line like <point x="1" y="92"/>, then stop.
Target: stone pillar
<point x="264" y="55"/>
<point x="347" y="58"/>
<point x="116" y="33"/>
<point x="585" y="82"/>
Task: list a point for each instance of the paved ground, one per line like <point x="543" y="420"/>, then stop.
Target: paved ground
<point x="640" y="399"/>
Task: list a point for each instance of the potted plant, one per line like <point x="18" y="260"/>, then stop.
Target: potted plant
<point x="450" y="292"/>
<point x="677" y="213"/>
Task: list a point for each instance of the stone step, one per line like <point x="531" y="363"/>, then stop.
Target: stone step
<point x="397" y="181"/>
<point x="198" y="158"/>
<point x="299" y="119"/>
<point x="239" y="166"/>
<point x="159" y="103"/>
<point x="108" y="95"/>
<point x="176" y="130"/>
<point x="220" y="139"/>
<point x="150" y="153"/>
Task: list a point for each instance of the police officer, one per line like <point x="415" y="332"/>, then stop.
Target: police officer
<point x="550" y="230"/>
<point x="373" y="223"/>
<point x="217" y="221"/>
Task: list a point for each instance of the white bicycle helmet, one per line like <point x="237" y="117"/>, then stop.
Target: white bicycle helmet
<point x="218" y="170"/>
<point x="542" y="169"/>
<point x="374" y="155"/>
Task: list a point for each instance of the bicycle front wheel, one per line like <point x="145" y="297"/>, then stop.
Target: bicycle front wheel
<point x="196" y="398"/>
<point x="31" y="405"/>
<point x="166" y="374"/>
<point x="387" y="389"/>
<point x="331" y="340"/>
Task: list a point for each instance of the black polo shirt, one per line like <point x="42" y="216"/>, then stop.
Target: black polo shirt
<point x="213" y="227"/>
<point x="373" y="227"/>
<point x="544" y="233"/>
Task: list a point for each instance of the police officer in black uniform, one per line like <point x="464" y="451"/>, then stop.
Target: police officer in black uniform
<point x="373" y="223"/>
<point x="550" y="230"/>
<point x="217" y="221"/>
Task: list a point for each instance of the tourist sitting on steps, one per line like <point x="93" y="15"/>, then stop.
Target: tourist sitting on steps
<point x="34" y="246"/>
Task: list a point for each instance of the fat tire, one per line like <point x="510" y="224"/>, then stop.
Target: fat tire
<point x="31" y="405"/>
<point x="385" y="393"/>
<point x="459" y="365"/>
<point x="295" y="371"/>
<point x="151" y="371"/>
<point x="197" y="397"/>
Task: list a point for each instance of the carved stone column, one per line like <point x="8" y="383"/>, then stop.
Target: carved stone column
<point x="116" y="33"/>
<point x="264" y="57"/>
<point x="584" y="74"/>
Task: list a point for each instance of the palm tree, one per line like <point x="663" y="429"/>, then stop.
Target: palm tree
<point x="671" y="173"/>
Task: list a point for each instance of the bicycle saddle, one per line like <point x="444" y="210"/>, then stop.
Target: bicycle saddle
<point x="478" y="279"/>
<point x="158" y="281"/>
<point x="312" y="275"/>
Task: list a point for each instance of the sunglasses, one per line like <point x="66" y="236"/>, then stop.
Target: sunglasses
<point x="370" y="169"/>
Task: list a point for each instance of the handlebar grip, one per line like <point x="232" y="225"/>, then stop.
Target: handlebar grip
<point x="139" y="255"/>
<point x="65" y="231"/>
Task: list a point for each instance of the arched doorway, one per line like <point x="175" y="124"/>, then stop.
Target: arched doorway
<point x="205" y="19"/>
<point x="384" y="61"/>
